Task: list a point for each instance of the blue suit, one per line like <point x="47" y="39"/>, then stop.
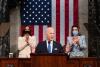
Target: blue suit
<point x="42" y="48"/>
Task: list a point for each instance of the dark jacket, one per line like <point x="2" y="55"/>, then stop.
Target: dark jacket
<point x="42" y="48"/>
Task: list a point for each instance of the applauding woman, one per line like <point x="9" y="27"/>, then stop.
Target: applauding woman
<point x="26" y="43"/>
<point x="76" y="43"/>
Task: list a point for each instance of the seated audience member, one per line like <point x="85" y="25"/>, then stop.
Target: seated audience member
<point x="76" y="43"/>
<point x="26" y="43"/>
<point x="49" y="45"/>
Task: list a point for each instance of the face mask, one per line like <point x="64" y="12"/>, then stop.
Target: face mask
<point x="75" y="33"/>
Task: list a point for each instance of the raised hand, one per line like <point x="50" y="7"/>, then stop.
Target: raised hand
<point x="75" y="40"/>
<point x="27" y="40"/>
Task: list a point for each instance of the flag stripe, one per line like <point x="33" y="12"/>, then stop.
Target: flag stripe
<point x="70" y="15"/>
<point x="58" y="20"/>
<point x="40" y="33"/>
<point x="66" y="19"/>
<point x="36" y="32"/>
<point x="21" y="30"/>
<point x="54" y="16"/>
<point x="44" y="32"/>
<point x="62" y="21"/>
<point x="32" y="29"/>
<point x="75" y="12"/>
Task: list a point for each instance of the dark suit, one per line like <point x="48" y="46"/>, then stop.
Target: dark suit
<point x="42" y="48"/>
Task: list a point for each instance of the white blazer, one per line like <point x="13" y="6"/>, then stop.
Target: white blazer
<point x="25" y="52"/>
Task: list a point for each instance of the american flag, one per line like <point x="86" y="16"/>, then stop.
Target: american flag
<point x="39" y="14"/>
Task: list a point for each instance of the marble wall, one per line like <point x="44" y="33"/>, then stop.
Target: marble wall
<point x="14" y="28"/>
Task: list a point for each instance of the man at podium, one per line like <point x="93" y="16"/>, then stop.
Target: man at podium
<point x="49" y="45"/>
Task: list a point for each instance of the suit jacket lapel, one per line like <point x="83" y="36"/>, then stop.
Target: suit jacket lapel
<point x="45" y="43"/>
<point x="54" y="46"/>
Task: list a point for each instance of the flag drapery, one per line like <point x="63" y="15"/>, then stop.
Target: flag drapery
<point x="39" y="14"/>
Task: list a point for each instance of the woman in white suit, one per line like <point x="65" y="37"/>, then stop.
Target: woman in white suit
<point x="26" y="44"/>
<point x="76" y="43"/>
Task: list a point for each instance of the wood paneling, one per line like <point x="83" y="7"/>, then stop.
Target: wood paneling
<point x="24" y="62"/>
<point x="9" y="62"/>
<point x="50" y="60"/>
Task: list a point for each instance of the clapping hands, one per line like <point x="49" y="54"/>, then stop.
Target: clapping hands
<point x="75" y="40"/>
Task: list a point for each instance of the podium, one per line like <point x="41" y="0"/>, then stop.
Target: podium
<point x="62" y="60"/>
<point x="52" y="60"/>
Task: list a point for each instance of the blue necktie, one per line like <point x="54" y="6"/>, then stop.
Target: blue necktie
<point x="49" y="48"/>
